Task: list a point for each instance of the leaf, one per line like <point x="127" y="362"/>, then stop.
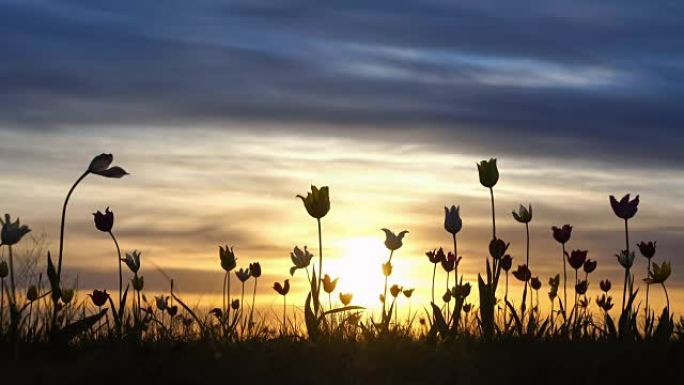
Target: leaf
<point x="440" y="323"/>
<point x="72" y="330"/>
<point x="341" y="309"/>
<point x="310" y="319"/>
<point x="314" y="291"/>
<point x="518" y="322"/>
<point x="54" y="279"/>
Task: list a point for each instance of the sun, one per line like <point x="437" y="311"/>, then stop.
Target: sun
<point x="359" y="269"/>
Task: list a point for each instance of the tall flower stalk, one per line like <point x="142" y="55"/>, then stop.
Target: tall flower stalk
<point x="317" y="204"/>
<point x="228" y="263"/>
<point x="255" y="272"/>
<point x="435" y="257"/>
<point x="562" y="236"/>
<point x="647" y="250"/>
<point x="283" y="290"/>
<point x="105" y="222"/>
<point x="625" y="209"/>
<point x="392" y="242"/>
<point x="524" y="216"/>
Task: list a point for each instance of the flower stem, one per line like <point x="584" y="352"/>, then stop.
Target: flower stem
<point x="12" y="285"/>
<point x="118" y="252"/>
<point x="61" y="230"/>
<point x="648" y="273"/>
<point x="251" y="309"/>
<point x="320" y="258"/>
<point x="565" y="279"/>
<point x="667" y="297"/>
<point x="434" y="274"/>
<point x="385" y="291"/>
<point x="491" y="194"/>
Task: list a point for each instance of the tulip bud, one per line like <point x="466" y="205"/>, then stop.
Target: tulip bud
<point x="497" y="248"/>
<point x="562" y="235"/>
<point x="647" y="249"/>
<point x="387" y="269"/>
<point x="243" y="274"/>
<point x="104" y="222"/>
<point x="235" y="304"/>
<point x="317" y="202"/>
<point x="408" y="293"/>
<point x="172" y="310"/>
<point x="489" y="174"/>
<point x="589" y="266"/>
<point x="535" y="283"/>
<point x="452" y="219"/>
<point x="4" y="269"/>
<point x="32" y="293"/>
<point x="12" y="233"/>
<point x="228" y="259"/>
<point x="255" y="269"/>
<point x="395" y="290"/>
<point x="447" y="296"/>
<point x="346" y="298"/>
<point x="524" y="214"/>
<point x="605" y="285"/>
<point x="138" y="283"/>
<point x="162" y="302"/>
<point x="99" y="297"/>
<point x="581" y="287"/>
<point x="329" y="284"/>
<point x="506" y="262"/>
<point x="132" y="260"/>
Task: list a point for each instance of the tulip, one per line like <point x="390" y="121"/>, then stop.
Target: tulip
<point x="506" y="262"/>
<point x="346" y="298"/>
<point x="626" y="260"/>
<point x="11" y="234"/>
<point x="394" y="241"/>
<point x="554" y="283"/>
<point x="4" y="270"/>
<point x="605" y="302"/>
<point x="105" y="223"/>
<point x="255" y="271"/>
<point x="497" y="248"/>
<point x="408" y="292"/>
<point x="132" y="260"/>
<point x="467" y="307"/>
<point x="32" y="293"/>
<point x="581" y="287"/>
<point x="461" y="290"/>
<point x="301" y="260"/>
<point x="648" y="250"/>
<point x="228" y="259"/>
<point x="605" y="285"/>
<point x="329" y="284"/>
<point x="138" y="283"/>
<point x="317" y="204"/>
<point x="660" y="274"/>
<point x="524" y="214"/>
<point x="162" y="302"/>
<point x="535" y="283"/>
<point x="228" y="263"/>
<point x="523" y="273"/>
<point x="435" y="257"/>
<point x="172" y="311"/>
<point x="450" y="262"/>
<point x="99" y="297"/>
<point x="562" y="236"/>
<point x="387" y="269"/>
<point x="283" y="290"/>
<point x="625" y="209"/>
<point x="589" y="266"/>
<point x="489" y="175"/>
<point x="446" y="297"/>
<point x="235" y="304"/>
<point x="395" y="290"/>
<point x="243" y="274"/>
<point x="453" y="224"/>
<point x="577" y="258"/>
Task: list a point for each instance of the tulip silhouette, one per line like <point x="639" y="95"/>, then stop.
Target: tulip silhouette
<point x="506" y="264"/>
<point x="625" y="209"/>
<point x="562" y="236"/>
<point x="105" y="223"/>
<point x="301" y="260"/>
<point x="393" y="242"/>
<point x="254" y="271"/>
<point x="648" y="250"/>
<point x="4" y="271"/>
<point x="346" y="298"/>
<point x="162" y="302"/>
<point x="435" y="257"/>
<point x="522" y="273"/>
<point x="554" y="283"/>
<point x="605" y="285"/>
<point x="576" y="260"/>
<point x="589" y="266"/>
<point x="317" y="204"/>
<point x="489" y="176"/>
<point x="283" y="290"/>
<point x="242" y="275"/>
<point x="524" y="216"/>
<point x="329" y="284"/>
<point x="228" y="263"/>
<point x="626" y="260"/>
<point x="453" y="224"/>
<point x="99" y="297"/>
<point x="605" y="302"/>
<point x="660" y="274"/>
<point x="11" y="234"/>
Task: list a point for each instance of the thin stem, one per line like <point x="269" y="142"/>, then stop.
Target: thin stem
<point x="574" y="308"/>
<point x="2" y="303"/>
<point x="627" y="248"/>
<point x="648" y="273"/>
<point x="230" y="304"/>
<point x="624" y="289"/>
<point x="385" y="292"/>
<point x="434" y="274"/>
<point x="506" y="299"/>
<point x="61" y="230"/>
<point x="527" y="259"/>
<point x="284" y="313"/>
<point x="225" y="278"/>
<point x="491" y="194"/>
<point x="456" y="260"/>
<point x="242" y="307"/>
<point x="667" y="297"/>
<point x="118" y="253"/>
<point x="565" y="278"/>
<point x="251" y="309"/>
<point x="12" y="286"/>
<point x="320" y="257"/>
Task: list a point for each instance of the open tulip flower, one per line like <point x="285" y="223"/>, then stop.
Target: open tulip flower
<point x="255" y="269"/>
<point x="243" y="274"/>
<point x="394" y="241"/>
<point x="659" y="274"/>
<point x="605" y="285"/>
<point x="577" y="258"/>
<point x="535" y="283"/>
<point x="589" y="266"/>
<point x="626" y="259"/>
<point x="497" y="248"/>
<point x="100" y="166"/>
<point x="329" y="284"/>
<point x="228" y="259"/>
<point x="346" y="298"/>
<point x="12" y="232"/>
<point x="461" y="290"/>
<point x="408" y="292"/>
<point x="452" y="219"/>
<point x="395" y="290"/>
<point x="524" y="214"/>
<point x="562" y="234"/>
<point x="99" y="297"/>
<point x="450" y="262"/>
<point x="506" y="262"/>
<point x="435" y="256"/>
<point x="581" y="287"/>
<point x="523" y="273"/>
<point x="132" y="260"/>
<point x="282" y="289"/>
<point x="162" y="302"/>
<point x="489" y="173"/>
<point x="605" y="302"/>
<point x="625" y="208"/>
<point x="104" y="222"/>
<point x="300" y="258"/>
<point x="647" y="249"/>
<point x="317" y="202"/>
<point x="172" y="311"/>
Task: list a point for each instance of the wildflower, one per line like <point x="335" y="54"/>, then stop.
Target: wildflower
<point x="255" y="269"/>
<point x="489" y="174"/>
<point x="554" y="282"/>
<point x="605" y="302"/>
<point x="243" y="274"/>
<point x="450" y="263"/>
<point x="99" y="297"/>
<point x="436" y="256"/>
<point x="235" y="304"/>
<point x="317" y="202"/>
<point x="524" y="214"/>
<point x="589" y="266"/>
<point x="467" y="307"/>
<point x="282" y="289"/>
<point x="659" y="274"/>
<point x="497" y="248"/>
<point x="32" y="293"/>
<point x="408" y="292"/>
<point x="626" y="259"/>
<point x="395" y="290"/>
<point x="12" y="233"/>
<point x="132" y="260"/>
<point x="172" y="310"/>
<point x="535" y="283"/>
<point x="584" y="302"/>
<point x="447" y="296"/>
<point x="300" y="259"/>
<point x="393" y="241"/>
<point x="506" y="262"/>
<point x="346" y="298"/>
<point x="647" y="249"/>
<point x="138" y="283"/>
<point x="387" y="269"/>
<point x="329" y="284"/>
<point x="625" y="208"/>
<point x="218" y="313"/>
<point x="562" y="235"/>
<point x="605" y="285"/>
<point x="581" y="287"/>
<point x="452" y="219"/>
<point x="523" y="273"/>
<point x="461" y="290"/>
<point x="228" y="259"/>
<point x="162" y="302"/>
<point x="100" y="166"/>
<point x="4" y="269"/>
<point x="104" y="222"/>
<point x="577" y="258"/>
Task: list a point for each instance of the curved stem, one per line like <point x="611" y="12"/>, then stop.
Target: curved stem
<point x="627" y="249"/>
<point x="118" y="252"/>
<point x="61" y="229"/>
<point x="225" y="278"/>
<point x="385" y="291"/>
<point x="527" y="259"/>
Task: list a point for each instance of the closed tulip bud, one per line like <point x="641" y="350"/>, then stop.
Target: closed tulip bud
<point x="452" y="219"/>
<point x="67" y="295"/>
<point x="524" y="214"/>
<point x="317" y="202"/>
<point x="506" y="262"/>
<point x="138" y="283"/>
<point x="382" y="298"/>
<point x="12" y="233"/>
<point x="172" y="310"/>
<point x="243" y="274"/>
<point x="346" y="298"/>
<point x="605" y="285"/>
<point x="576" y="258"/>
<point x="387" y="269"/>
<point x="581" y="287"/>
<point x="255" y="269"/>
<point x="32" y="293"/>
<point x="4" y="269"/>
<point x="659" y="274"/>
<point x="408" y="292"/>
<point x="497" y="248"/>
<point x="589" y="266"/>
<point x="132" y="260"/>
<point x="100" y="166"/>
<point x="562" y="235"/>
<point x="647" y="249"/>
<point x="228" y="259"/>
<point x="625" y="208"/>
<point x="235" y="304"/>
<point x="467" y="308"/>
<point x="395" y="290"/>
<point x="489" y="174"/>
<point x="104" y="222"/>
<point x="329" y="284"/>
<point x="162" y="302"/>
<point x="447" y="296"/>
<point x="625" y="259"/>
<point x="394" y="241"/>
<point x="99" y="297"/>
<point x="535" y="283"/>
<point x="523" y="273"/>
<point x="282" y="289"/>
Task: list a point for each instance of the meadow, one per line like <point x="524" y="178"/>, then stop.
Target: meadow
<point x="476" y="332"/>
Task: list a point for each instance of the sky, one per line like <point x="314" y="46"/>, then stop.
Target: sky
<point x="223" y="112"/>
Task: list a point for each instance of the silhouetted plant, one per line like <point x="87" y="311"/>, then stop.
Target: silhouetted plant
<point x="453" y="224"/>
<point x="317" y="204"/>
<point x="255" y="272"/>
<point x="435" y="257"/>
<point x="392" y="242"/>
<point x="647" y="250"/>
<point x="524" y="216"/>
<point x="228" y="263"/>
<point x="562" y="236"/>
<point x="283" y="290"/>
<point x="625" y="209"/>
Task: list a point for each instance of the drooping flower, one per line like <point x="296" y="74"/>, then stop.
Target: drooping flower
<point x="255" y="269"/>
<point x="605" y="285"/>
<point x="562" y="235"/>
<point x="395" y="290"/>
<point x="659" y="274"/>
<point x="300" y="259"/>
<point x="581" y="287"/>
<point x="523" y="273"/>
<point x="625" y="208"/>
<point x="489" y="174"/>
<point x="282" y="289"/>
<point x="524" y="214"/>
<point x="243" y="274"/>
<point x="506" y="262"/>
<point x="626" y="259"/>
<point x="132" y="260"/>
<point x="329" y="284"/>
<point x="346" y="298"/>
<point x="394" y="241"/>
<point x="577" y="258"/>
<point x="647" y="249"/>
<point x="497" y="248"/>
<point x="100" y="166"/>
<point x="452" y="219"/>
<point x="11" y="232"/>
<point x="228" y="259"/>
<point x="104" y="222"/>
<point x="589" y="266"/>
<point x="317" y="202"/>
<point x="535" y="283"/>
<point x="99" y="297"/>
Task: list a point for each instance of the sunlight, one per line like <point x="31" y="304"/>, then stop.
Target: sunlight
<point x="359" y="270"/>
